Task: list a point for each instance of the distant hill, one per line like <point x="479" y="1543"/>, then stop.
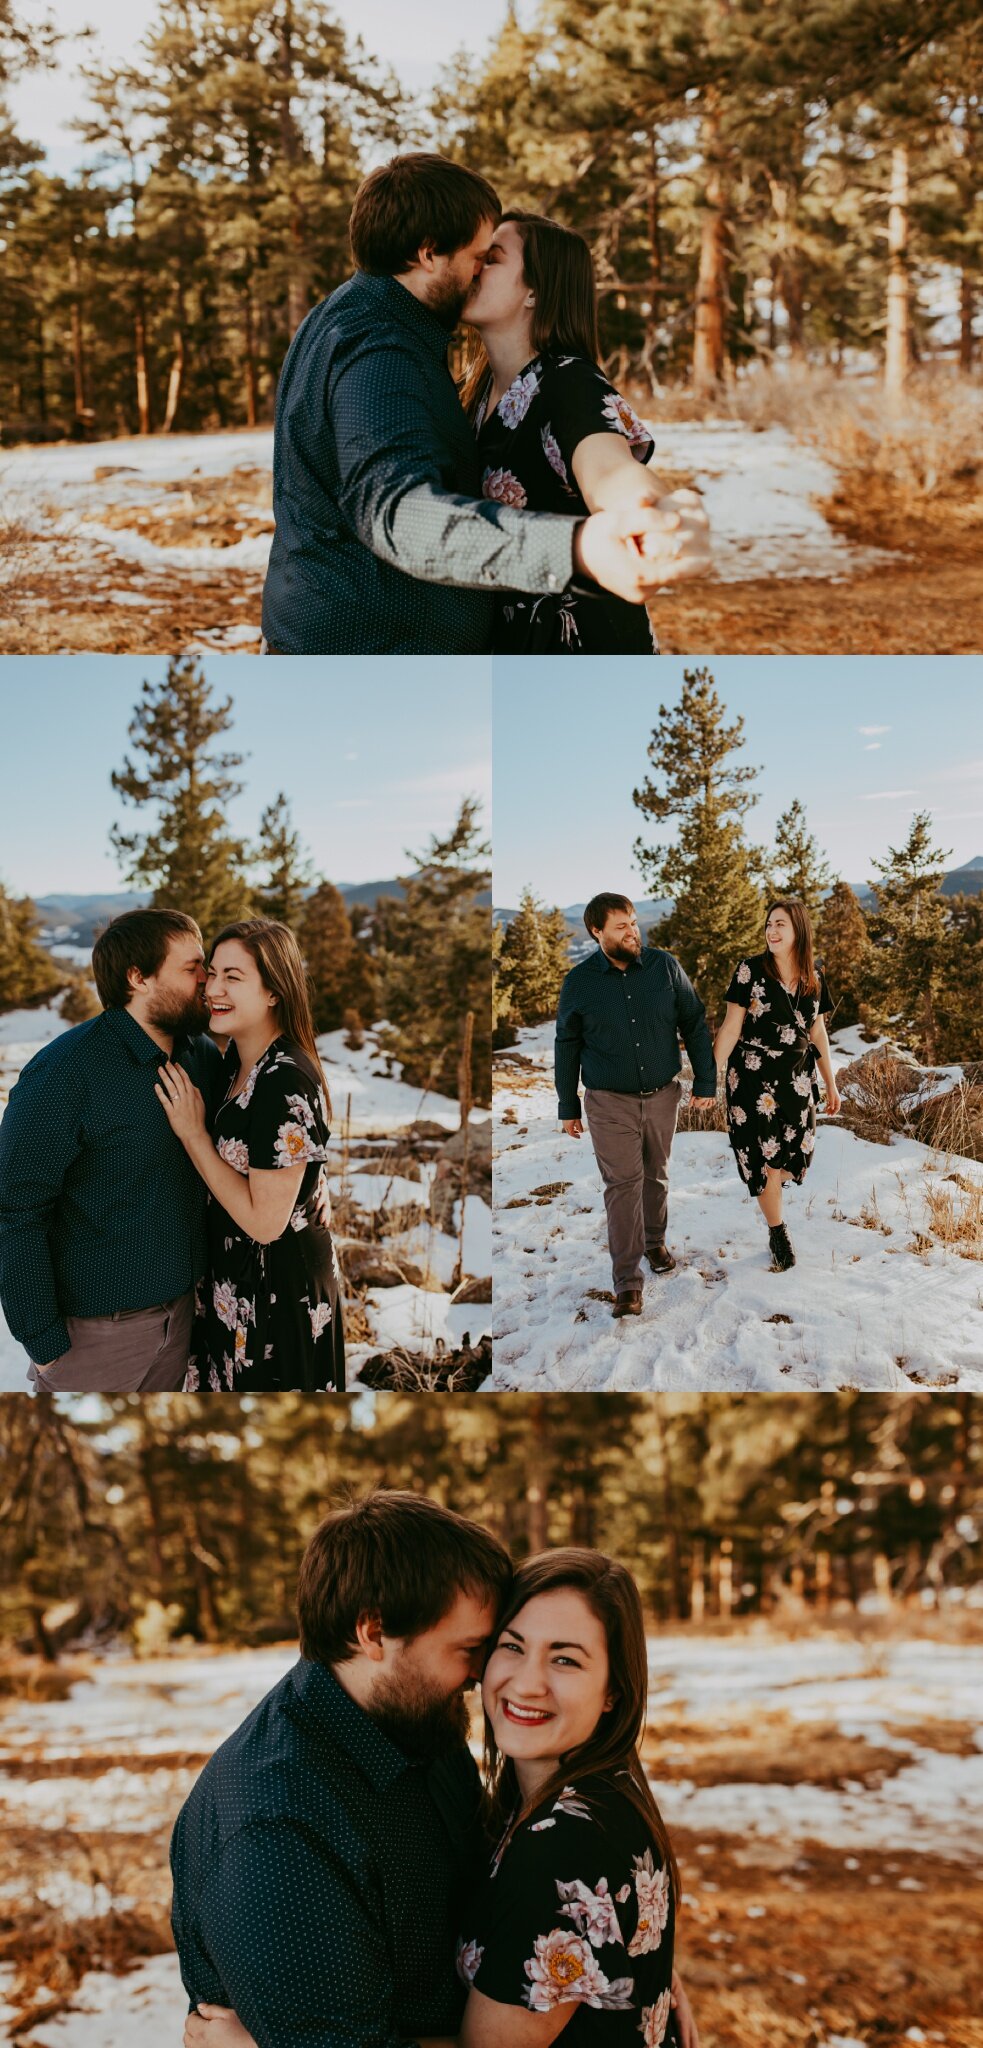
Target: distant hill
<point x="966" y="880"/>
<point x="75" y="921"/>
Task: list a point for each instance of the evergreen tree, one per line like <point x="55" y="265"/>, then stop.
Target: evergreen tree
<point x="288" y="870"/>
<point x="436" y="963"/>
<point x="910" y="933"/>
<point x="844" y="948"/>
<point x="535" y="958"/>
<point x="717" y="907"/>
<point x="802" y="870"/>
<point x="960" y="1010"/>
<point x="503" y="1030"/>
<point x="28" y="974"/>
<point x="326" y="942"/>
<point x="188" y="858"/>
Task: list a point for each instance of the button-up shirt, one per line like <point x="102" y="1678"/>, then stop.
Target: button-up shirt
<point x="619" y="1028"/>
<point x="320" y="1877"/>
<point x="101" y="1209"/>
<point x="383" y="542"/>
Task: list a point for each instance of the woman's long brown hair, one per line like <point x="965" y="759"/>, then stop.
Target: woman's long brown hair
<point x="282" y="971"/>
<point x="612" y="1750"/>
<point x="558" y="267"/>
<point x="802" y="944"/>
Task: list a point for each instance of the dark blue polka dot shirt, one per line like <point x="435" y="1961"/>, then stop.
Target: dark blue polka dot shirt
<point x="320" y="1877"/>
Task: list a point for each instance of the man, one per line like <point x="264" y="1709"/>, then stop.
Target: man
<point x="383" y="542"/>
<point x="621" y="1015"/>
<point x="321" y="1862"/>
<point x="102" y="1215"/>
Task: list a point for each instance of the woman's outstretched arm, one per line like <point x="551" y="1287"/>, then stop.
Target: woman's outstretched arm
<point x="728" y="1034"/>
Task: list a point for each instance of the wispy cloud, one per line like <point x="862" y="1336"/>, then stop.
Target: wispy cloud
<point x="869" y="731"/>
<point x="872" y="747"/>
<point x="474" y="775"/>
<point x="881" y="796"/>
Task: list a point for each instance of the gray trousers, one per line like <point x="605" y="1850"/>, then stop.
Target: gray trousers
<point x="632" y="1138"/>
<point x="139" y="1351"/>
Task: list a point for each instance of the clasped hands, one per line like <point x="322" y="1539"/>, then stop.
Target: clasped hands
<point x="645" y="543"/>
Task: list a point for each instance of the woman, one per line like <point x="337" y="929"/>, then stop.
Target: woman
<point x="572" y="1930"/>
<point x="769" y="1045"/>
<point x="553" y="434"/>
<point x="269" y="1309"/>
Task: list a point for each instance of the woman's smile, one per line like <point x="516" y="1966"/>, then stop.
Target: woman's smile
<point x="527" y="1717"/>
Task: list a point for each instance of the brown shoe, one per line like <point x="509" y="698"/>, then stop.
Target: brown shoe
<point x="661" y="1260"/>
<point x="628" y="1302"/>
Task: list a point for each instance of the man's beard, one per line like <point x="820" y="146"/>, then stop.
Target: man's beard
<point x="418" y="1721"/>
<point x="178" y="1014"/>
<point x="625" y="953"/>
<point x="446" y="301"/>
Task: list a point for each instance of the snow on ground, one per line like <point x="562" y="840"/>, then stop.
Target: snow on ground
<point x="859" y="1309"/>
<point x="761" y="489"/>
<point x="367" y="1102"/>
<point x="180" y="1708"/>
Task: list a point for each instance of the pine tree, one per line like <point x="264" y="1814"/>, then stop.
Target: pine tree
<point x="281" y="852"/>
<point x="436" y="961"/>
<point x="189" y="859"/>
<point x="844" y="948"/>
<point x="717" y="907"/>
<point x="28" y="974"/>
<point x="910" y="932"/>
<point x="535" y="957"/>
<point x="802" y="870"/>
<point x="960" y="1011"/>
<point x="503" y="1030"/>
<point x="326" y="942"/>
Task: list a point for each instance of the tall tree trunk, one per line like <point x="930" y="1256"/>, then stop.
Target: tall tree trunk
<point x="297" y="292"/>
<point x="967" y="308"/>
<point x="897" y="352"/>
<point x="710" y="338"/>
<point x="175" y="382"/>
<point x="140" y="364"/>
<point x="252" y="388"/>
<point x="670" y="1520"/>
<point x="78" y="342"/>
<point x="42" y="379"/>
<point x="536" y="1502"/>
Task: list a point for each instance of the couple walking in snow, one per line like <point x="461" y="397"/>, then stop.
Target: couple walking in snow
<point x="621" y="1016"/>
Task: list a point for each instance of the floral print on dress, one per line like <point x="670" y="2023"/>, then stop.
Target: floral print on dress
<point x="564" y="1970"/>
<point x="504" y="488"/>
<point x="268" y="1316"/>
<point x="653" y="1891"/>
<point x="654" y="2021"/>
<point x="526" y="445"/>
<point x="772" y="1120"/>
<point x="468" y="1961"/>
<point x="579" y="1918"/>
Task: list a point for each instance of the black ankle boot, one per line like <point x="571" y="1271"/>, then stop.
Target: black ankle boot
<point x="782" y="1252"/>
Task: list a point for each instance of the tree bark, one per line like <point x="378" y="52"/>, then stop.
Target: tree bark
<point x="967" y="308"/>
<point x="897" y="352"/>
<point x="297" y="292"/>
<point x="140" y="365"/>
<point x="710" y="338"/>
<point x="252" y="389"/>
<point x="78" y="341"/>
<point x="175" y="382"/>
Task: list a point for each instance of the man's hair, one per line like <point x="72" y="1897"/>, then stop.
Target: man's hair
<point x="415" y="199"/>
<point x="140" y="938"/>
<point x="399" y="1556"/>
<point x="599" y="907"/>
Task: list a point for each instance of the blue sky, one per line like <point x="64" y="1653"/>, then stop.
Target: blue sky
<point x="416" y="41"/>
<point x="374" y="756"/>
<point x="862" y="743"/>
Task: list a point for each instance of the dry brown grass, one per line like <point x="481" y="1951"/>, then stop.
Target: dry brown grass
<point x="30" y="1678"/>
<point x="955" y="1214"/>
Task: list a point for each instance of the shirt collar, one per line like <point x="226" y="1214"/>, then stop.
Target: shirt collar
<point x="606" y="966"/>
<point x="393" y="298"/>
<point x="138" y="1042"/>
<point x="329" y="1710"/>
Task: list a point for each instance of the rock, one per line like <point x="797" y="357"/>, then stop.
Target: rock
<point x="474" y="1290"/>
<point x="368" y="1265"/>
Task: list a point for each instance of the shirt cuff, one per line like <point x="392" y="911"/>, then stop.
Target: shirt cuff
<point x="48" y="1345"/>
<point x="705" y="1084"/>
<point x="569" y="1112"/>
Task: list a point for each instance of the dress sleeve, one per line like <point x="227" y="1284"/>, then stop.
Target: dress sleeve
<point x="740" y="984"/>
<point x="286" y="1121"/>
<point x="551" y="1933"/>
<point x="580" y="401"/>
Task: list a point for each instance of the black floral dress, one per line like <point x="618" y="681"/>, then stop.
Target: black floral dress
<point x="527" y="446"/>
<point x="578" y="1910"/>
<point x="772" y="1092"/>
<point x="269" y="1316"/>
